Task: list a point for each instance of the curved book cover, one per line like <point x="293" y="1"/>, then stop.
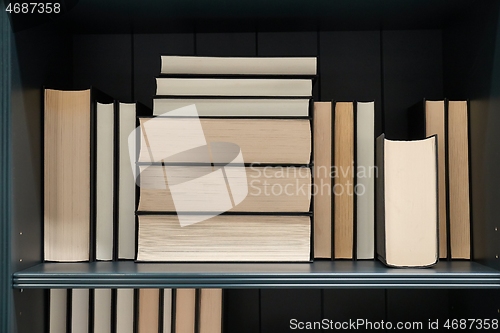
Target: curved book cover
<point x="407" y="202"/>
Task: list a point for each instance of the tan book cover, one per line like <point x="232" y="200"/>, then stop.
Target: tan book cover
<point x="280" y="141"/>
<point x="185" y="310"/>
<point x="322" y="138"/>
<point x="459" y="195"/>
<point x="343" y="189"/>
<point x="149" y="309"/>
<point x="270" y="189"/>
<point x="210" y="313"/>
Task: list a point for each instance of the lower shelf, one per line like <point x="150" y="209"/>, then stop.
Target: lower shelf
<point x="319" y="274"/>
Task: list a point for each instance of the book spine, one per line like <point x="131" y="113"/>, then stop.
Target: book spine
<point x="380" y="206"/>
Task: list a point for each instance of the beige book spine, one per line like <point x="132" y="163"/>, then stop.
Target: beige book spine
<point x="322" y="138"/>
<point x="185" y="310"/>
<point x="210" y="315"/>
<point x="435" y="124"/>
<point x="343" y="189"/>
<point x="149" y="308"/>
<point x="458" y="158"/>
<point x="67" y="175"/>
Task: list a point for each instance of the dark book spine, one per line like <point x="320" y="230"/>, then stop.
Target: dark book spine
<point x="380" y="199"/>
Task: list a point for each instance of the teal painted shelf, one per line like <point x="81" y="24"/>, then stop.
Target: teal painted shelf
<point x="320" y="274"/>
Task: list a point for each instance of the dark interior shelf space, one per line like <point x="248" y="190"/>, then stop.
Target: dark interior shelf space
<point x="319" y="274"/>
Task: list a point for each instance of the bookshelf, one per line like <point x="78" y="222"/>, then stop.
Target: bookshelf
<point x="390" y="51"/>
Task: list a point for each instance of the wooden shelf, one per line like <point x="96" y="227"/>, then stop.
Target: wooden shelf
<point x="320" y="274"/>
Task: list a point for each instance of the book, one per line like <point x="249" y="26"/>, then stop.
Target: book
<point x="125" y="310"/>
<point x="210" y="313"/>
<point x="429" y="118"/>
<point x="149" y="309"/>
<point x="322" y="138"/>
<point x="459" y="186"/>
<point x="270" y="189"/>
<point x="185" y="310"/>
<point x="126" y="182"/>
<point x="407" y="202"/>
<point x="57" y="310"/>
<point x="105" y="145"/>
<point x="225" y="238"/>
<point x="102" y="311"/>
<point x="167" y="310"/>
<point x="236" y="107"/>
<point x="277" y="141"/>
<point x="238" y="65"/>
<point x="365" y="180"/>
<point x="233" y="87"/>
<point x="80" y="308"/>
<point x="343" y="188"/>
<point x="67" y="194"/>
<point x="68" y="181"/>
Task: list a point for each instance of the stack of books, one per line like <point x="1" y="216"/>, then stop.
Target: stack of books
<point x="225" y="162"/>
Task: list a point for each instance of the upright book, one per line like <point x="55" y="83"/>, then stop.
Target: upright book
<point x="69" y="174"/>
<point x="322" y="134"/>
<point x="126" y="181"/>
<point x="343" y="189"/>
<point x="210" y="310"/>
<point x="149" y="311"/>
<point x="365" y="180"/>
<point x="58" y="306"/>
<point x="105" y="180"/>
<point x="459" y="180"/>
<point x="102" y="310"/>
<point x="238" y="65"/>
<point x="407" y="202"/>
<point x="185" y="310"/>
<point x="80" y="309"/>
<point x="124" y="321"/>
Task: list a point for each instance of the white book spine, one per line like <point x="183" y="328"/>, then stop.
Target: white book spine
<point x="238" y="65"/>
<point x="365" y="182"/>
<point x="125" y="310"/>
<point x="80" y="311"/>
<point x="236" y="107"/>
<point x="57" y="312"/>
<point x="102" y="311"/>
<point x="167" y="310"/>
<point x="126" y="184"/>
<point x="233" y="87"/>
<point x="104" y="181"/>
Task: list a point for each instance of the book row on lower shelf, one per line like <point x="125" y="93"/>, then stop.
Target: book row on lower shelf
<point x="216" y="175"/>
<point x="135" y="310"/>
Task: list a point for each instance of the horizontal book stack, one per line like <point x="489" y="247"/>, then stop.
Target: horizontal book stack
<point x="135" y="310"/>
<point x="225" y="162"/>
